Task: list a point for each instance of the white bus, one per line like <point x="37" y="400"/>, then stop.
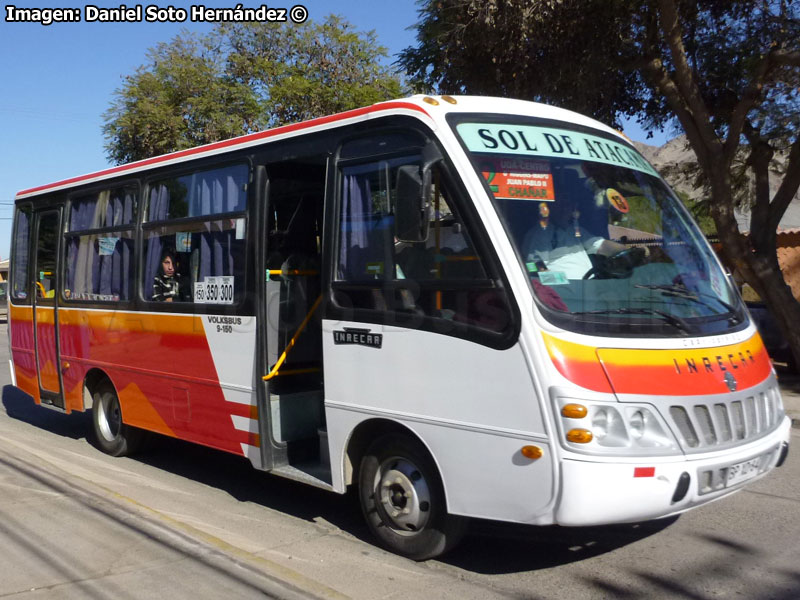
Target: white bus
<point x="466" y="307"/>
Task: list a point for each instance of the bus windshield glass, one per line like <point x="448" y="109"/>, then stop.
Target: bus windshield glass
<point x="606" y="244"/>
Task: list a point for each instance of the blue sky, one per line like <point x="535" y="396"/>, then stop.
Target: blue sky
<point x="57" y="80"/>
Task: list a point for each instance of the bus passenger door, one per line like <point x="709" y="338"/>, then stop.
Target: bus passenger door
<point x="293" y="413"/>
<point x="45" y="299"/>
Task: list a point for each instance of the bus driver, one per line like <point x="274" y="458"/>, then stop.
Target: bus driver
<point x="560" y="244"/>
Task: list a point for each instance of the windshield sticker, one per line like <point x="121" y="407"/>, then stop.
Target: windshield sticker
<point x="183" y="242"/>
<point x="106" y="245"/>
<point x="517" y="179"/>
<point x="553" y="278"/>
<point x="617" y="200"/>
<point x="527" y="140"/>
<point x="717" y="283"/>
<point x="374" y="268"/>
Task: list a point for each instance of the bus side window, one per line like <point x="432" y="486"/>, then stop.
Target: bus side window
<point x="366" y="250"/>
<point x="100" y="246"/>
<point x="442" y="277"/>
<point x="46" y="254"/>
<point x="21" y="250"/>
<point x="198" y="220"/>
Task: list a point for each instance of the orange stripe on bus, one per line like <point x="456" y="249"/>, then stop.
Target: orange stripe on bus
<point x="578" y="363"/>
<point x="662" y="372"/>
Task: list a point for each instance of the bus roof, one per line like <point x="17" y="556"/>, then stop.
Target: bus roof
<point x="434" y="107"/>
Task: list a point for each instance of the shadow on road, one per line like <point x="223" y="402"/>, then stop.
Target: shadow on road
<point x="499" y="548"/>
<point x="20" y="406"/>
<point x="490" y="548"/>
<point x="728" y="561"/>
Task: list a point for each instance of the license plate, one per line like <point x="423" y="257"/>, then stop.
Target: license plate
<point x="743" y="471"/>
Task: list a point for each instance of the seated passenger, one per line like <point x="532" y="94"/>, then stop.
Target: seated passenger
<point x="166" y="284"/>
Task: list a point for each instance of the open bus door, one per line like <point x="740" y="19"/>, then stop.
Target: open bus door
<point x="294" y="442"/>
<point x="45" y="300"/>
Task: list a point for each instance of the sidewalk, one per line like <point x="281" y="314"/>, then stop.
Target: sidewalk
<point x="790" y="392"/>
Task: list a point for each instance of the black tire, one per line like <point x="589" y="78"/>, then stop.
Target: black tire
<point x="403" y="499"/>
<point x="113" y="436"/>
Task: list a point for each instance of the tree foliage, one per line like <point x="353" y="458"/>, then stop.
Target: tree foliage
<point x="241" y="78"/>
<point x="727" y="71"/>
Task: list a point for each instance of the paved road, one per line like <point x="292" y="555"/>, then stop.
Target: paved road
<point x="60" y="539"/>
<point x="181" y="521"/>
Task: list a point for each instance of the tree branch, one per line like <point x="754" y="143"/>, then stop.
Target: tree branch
<point x="789" y="58"/>
<point x="775" y="57"/>
<point x="739" y="113"/>
<point x="677" y="102"/>
<point x="685" y="81"/>
<point x="761" y="154"/>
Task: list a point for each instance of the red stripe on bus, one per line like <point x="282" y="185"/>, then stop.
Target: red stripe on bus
<point x="226" y="144"/>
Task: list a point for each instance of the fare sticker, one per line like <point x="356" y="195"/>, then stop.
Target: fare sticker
<point x="516" y="179"/>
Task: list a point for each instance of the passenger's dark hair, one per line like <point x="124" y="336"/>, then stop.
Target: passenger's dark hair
<point x="167" y="253"/>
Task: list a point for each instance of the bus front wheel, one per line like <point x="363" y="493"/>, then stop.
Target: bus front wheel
<point x="403" y="500"/>
<point x="113" y="436"/>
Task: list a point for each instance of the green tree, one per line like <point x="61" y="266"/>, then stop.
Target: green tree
<point x="726" y="71"/>
<point x="309" y="71"/>
<point x="241" y="78"/>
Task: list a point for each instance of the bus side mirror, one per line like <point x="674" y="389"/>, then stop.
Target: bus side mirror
<point x="412" y="210"/>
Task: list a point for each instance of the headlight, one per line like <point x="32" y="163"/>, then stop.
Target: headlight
<point x="616" y="428"/>
<point x="608" y="426"/>
<point x="637" y="424"/>
<point x="600" y="423"/>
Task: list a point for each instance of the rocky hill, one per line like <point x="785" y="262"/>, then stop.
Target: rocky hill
<point x="669" y="159"/>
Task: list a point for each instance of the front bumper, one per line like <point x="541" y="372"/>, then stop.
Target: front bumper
<point x="597" y="493"/>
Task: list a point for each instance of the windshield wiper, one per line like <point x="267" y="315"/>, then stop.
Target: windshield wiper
<point x="676" y="322"/>
<point x="680" y="291"/>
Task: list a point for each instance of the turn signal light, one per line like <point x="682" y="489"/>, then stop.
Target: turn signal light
<point x="574" y="411"/>
<point x="532" y="452"/>
<point x="449" y="99"/>
<point x="579" y="436"/>
<point x="431" y="101"/>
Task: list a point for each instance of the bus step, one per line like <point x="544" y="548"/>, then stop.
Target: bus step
<point x="311" y="473"/>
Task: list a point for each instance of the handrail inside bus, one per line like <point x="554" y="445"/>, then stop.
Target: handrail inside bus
<point x="298" y="272"/>
<point x="290" y="345"/>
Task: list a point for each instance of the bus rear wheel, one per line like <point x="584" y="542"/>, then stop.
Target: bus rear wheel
<point x="403" y="499"/>
<point x="113" y="436"/>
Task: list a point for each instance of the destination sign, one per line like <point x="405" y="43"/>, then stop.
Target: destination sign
<point x="528" y="140"/>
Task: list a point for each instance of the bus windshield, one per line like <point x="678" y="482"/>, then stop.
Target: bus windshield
<point x="606" y="244"/>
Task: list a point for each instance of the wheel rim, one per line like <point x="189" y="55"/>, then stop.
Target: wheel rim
<point x="403" y="495"/>
<point x="109" y="417"/>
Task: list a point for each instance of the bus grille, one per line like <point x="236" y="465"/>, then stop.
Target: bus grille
<point x="709" y="426"/>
